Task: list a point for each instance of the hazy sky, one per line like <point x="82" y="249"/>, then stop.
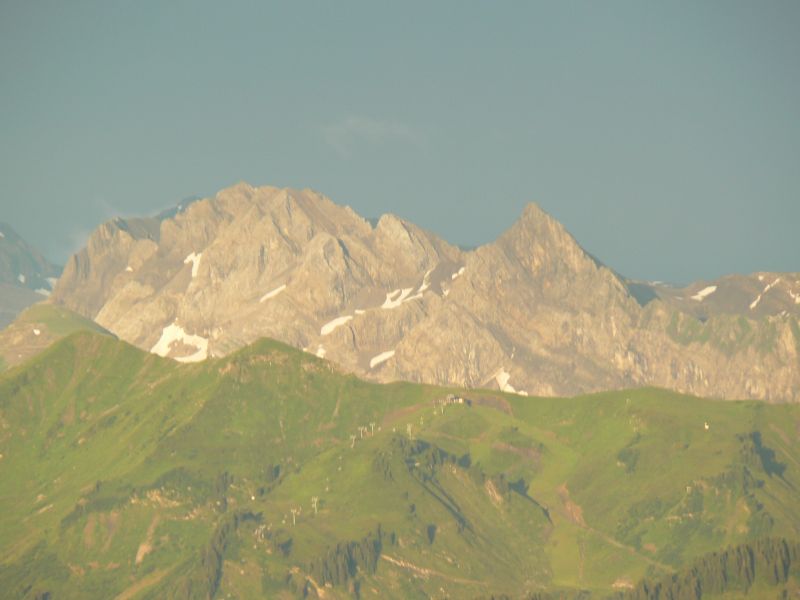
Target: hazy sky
<point x="665" y="136"/>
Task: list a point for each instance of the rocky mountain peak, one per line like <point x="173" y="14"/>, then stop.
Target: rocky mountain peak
<point x="21" y="264"/>
<point x="533" y="213"/>
<point x="543" y="245"/>
<point x="26" y="277"/>
<point x="531" y="312"/>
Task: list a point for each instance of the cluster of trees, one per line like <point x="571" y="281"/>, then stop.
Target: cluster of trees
<point x="427" y="458"/>
<point x="382" y="464"/>
<point x="221" y="485"/>
<point x="33" y="575"/>
<point x="343" y="562"/>
<point x="743" y="568"/>
<point x="766" y="561"/>
<point x="204" y="579"/>
<point x="102" y="498"/>
<point x="754" y="453"/>
<point x="420" y="457"/>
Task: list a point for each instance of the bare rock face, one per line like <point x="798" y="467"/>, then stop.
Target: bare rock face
<point x="753" y="296"/>
<point x="530" y="313"/>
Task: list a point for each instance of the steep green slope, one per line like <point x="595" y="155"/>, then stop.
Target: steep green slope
<point x="268" y="473"/>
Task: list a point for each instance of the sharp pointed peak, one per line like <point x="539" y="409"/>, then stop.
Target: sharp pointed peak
<point x="241" y="186"/>
<point x="533" y="210"/>
<point x="534" y="218"/>
<point x="536" y="228"/>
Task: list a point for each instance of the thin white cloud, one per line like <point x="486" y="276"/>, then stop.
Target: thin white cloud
<point x="343" y="136"/>
<point x="78" y="238"/>
<point x="103" y="211"/>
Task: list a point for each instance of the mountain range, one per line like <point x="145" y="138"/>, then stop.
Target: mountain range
<point x="506" y="422"/>
<point x="530" y="313"/>
<point x="26" y="277"/>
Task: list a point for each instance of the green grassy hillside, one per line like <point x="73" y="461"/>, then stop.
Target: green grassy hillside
<point x="270" y="474"/>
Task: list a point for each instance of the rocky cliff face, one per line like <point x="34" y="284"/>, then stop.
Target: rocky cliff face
<point x="531" y="312"/>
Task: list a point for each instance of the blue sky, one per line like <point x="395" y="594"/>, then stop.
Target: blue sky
<point x="665" y="136"/>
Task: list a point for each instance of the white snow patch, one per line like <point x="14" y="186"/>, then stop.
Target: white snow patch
<point x="21" y="278"/>
<point x="458" y="273"/>
<point x="761" y="278"/>
<point x="193" y="258"/>
<point x="175" y="333"/>
<point x="425" y="281"/>
<point x="795" y="297"/>
<point x="502" y="377"/>
<point x="36" y="332"/>
<point x="396" y="298"/>
<point x="380" y="358"/>
<point x="358" y="311"/>
<point x="446" y="293"/>
<point x="321" y="352"/>
<point x="755" y="302"/>
<point x="43" y="292"/>
<point x="706" y="291"/>
<point x="273" y="293"/>
<point x="129" y="269"/>
<point x="330" y="326"/>
<point x="52" y="281"/>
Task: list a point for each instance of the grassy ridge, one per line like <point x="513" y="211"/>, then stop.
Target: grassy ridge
<point x="38" y="327"/>
<point x="270" y="473"/>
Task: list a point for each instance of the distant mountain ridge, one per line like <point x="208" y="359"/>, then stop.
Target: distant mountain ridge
<point x="762" y="294"/>
<point x="531" y="312"/>
<point x="22" y="264"/>
<point x="26" y="276"/>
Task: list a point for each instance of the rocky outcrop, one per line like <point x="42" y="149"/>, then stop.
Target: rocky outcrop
<point x="529" y="313"/>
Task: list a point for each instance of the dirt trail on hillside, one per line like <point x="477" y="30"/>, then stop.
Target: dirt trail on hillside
<point x="574" y="513"/>
<point x="142" y="584"/>
<point x="147" y="545"/>
<point x="425" y="572"/>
